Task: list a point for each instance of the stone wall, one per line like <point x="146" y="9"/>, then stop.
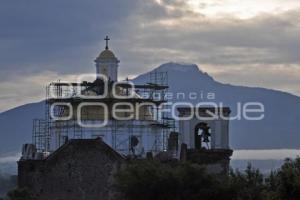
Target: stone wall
<point x="214" y="160"/>
<point x="80" y="169"/>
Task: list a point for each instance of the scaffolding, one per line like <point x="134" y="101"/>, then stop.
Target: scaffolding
<point x="49" y="134"/>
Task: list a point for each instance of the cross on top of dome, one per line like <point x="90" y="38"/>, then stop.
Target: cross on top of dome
<point x="106" y="39"/>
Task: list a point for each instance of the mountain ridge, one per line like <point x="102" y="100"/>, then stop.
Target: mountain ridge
<point x="282" y="108"/>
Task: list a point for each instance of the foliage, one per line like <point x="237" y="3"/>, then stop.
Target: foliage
<point x="148" y="180"/>
<point x="145" y="180"/>
<point x="248" y="185"/>
<point x="20" y="194"/>
<point x="288" y="180"/>
<point x="7" y="183"/>
<point x="153" y="180"/>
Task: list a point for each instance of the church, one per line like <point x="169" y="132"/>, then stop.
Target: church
<point x="91" y="129"/>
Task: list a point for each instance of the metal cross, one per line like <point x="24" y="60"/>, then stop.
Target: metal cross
<point x="106" y="38"/>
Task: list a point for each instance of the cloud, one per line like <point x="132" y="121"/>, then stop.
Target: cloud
<point x="28" y="89"/>
<point x="276" y="154"/>
<point x="263" y="39"/>
<point x="10" y="159"/>
<point x="280" y="77"/>
<point x="64" y="37"/>
<point x="263" y="48"/>
<point x="56" y="35"/>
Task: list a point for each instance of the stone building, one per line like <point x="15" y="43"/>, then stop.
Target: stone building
<point x="205" y="137"/>
<point x="69" y="160"/>
<point x="113" y="110"/>
<point x="78" y="170"/>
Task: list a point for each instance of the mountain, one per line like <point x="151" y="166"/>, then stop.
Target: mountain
<point x="16" y="127"/>
<point x="279" y="129"/>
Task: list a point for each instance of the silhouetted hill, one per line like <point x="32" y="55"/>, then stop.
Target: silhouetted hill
<point x="279" y="129"/>
<point x="16" y="126"/>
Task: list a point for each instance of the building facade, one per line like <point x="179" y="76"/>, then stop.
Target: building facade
<point x="79" y="169"/>
<point x="72" y="157"/>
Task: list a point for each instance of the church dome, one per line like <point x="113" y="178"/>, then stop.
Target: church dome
<point x="106" y="55"/>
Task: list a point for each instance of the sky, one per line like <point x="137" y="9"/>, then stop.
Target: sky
<point x="242" y="42"/>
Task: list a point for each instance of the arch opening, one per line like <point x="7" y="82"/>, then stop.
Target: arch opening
<point x="202" y="136"/>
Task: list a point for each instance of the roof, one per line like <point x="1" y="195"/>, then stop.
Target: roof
<point x="84" y="142"/>
<point x="106" y="55"/>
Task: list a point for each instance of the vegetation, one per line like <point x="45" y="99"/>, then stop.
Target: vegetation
<point x="19" y="194"/>
<point x="7" y="183"/>
<point x="143" y="180"/>
<point x="148" y="180"/>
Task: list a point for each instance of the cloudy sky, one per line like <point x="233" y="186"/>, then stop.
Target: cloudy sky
<point x="244" y="42"/>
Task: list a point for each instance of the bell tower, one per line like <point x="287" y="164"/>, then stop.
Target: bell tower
<point x="204" y="131"/>
<point x="107" y="63"/>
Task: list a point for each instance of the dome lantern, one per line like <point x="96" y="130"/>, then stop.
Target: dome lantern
<point x="107" y="63"/>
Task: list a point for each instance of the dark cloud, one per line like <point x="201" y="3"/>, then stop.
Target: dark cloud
<point x="263" y="39"/>
<point x="64" y="37"/>
<point x="57" y="35"/>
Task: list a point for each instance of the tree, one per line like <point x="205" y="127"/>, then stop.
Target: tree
<point x="148" y="180"/>
<point x="271" y="183"/>
<point x="7" y="183"/>
<point x="248" y="185"/>
<point x="288" y="178"/>
<point x="20" y="194"/>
